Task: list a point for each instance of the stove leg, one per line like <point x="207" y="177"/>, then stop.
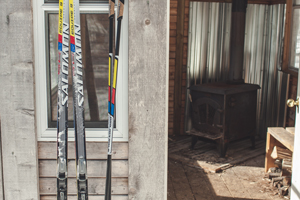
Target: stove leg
<point x="222" y="147"/>
<point x="253" y="142"/>
<point x="194" y="141"/>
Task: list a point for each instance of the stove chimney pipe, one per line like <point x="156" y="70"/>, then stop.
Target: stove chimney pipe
<point x="238" y="22"/>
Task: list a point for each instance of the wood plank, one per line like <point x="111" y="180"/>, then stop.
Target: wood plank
<point x="218" y="186"/>
<point x="271" y="142"/>
<point x="98" y="197"/>
<point x="198" y="179"/>
<point x="283" y="136"/>
<point x="291" y="130"/>
<point x="171" y="191"/>
<point x="180" y="182"/>
<point x="236" y="190"/>
<point x="1" y="169"/>
<point x="178" y="66"/>
<point x="18" y="119"/>
<point x="206" y="157"/>
<point x="95" y="186"/>
<point x="95" y="150"/>
<point x="250" y="175"/>
<point x="287" y="40"/>
<point x="148" y="103"/>
<point x="96" y="168"/>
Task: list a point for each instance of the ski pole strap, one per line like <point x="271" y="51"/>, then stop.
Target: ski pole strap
<point x="111" y="8"/>
<point x="121" y="8"/>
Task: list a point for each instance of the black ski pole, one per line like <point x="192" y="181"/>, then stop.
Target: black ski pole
<point x="112" y="90"/>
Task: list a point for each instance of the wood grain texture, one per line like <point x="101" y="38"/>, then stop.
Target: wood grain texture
<point x="96" y="168"/>
<point x="283" y="136"/>
<point x="291" y="130"/>
<point x="18" y="136"/>
<point x="95" y="150"/>
<point x="148" y="98"/>
<point x="271" y="142"/>
<point x="180" y="181"/>
<point x="1" y="169"/>
<point x="95" y="186"/>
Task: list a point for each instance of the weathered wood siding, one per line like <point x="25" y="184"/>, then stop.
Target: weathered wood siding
<point x="96" y="155"/>
<point x="18" y="136"/>
<point x="148" y="98"/>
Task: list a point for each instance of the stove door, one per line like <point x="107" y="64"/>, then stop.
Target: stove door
<point x="207" y="115"/>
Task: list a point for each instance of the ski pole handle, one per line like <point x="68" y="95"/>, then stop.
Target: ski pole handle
<point x="121" y="8"/>
<point x="111" y="8"/>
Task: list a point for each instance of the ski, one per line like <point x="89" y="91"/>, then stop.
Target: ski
<point x="78" y="100"/>
<point x="62" y="99"/>
<point x="112" y="85"/>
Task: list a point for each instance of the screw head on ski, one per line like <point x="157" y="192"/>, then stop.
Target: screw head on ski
<point x="62" y="99"/>
<point x="112" y="83"/>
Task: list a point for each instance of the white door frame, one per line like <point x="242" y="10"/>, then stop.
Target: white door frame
<point x="295" y="190"/>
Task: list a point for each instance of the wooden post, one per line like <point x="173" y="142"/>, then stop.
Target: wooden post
<point x="178" y="67"/>
<point x="1" y="169"/>
<point x="148" y="98"/>
<point x="18" y="134"/>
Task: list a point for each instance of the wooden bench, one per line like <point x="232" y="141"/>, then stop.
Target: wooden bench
<point x="278" y="136"/>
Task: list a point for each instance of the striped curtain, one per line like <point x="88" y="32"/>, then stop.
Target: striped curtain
<point x="209" y="47"/>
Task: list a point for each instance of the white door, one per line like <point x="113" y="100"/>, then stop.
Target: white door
<point x="295" y="190"/>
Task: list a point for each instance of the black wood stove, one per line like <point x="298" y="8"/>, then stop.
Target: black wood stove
<point x="223" y="112"/>
<point x="226" y="111"/>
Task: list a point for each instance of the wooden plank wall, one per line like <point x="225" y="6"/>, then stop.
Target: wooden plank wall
<point x="18" y="136"/>
<point x="96" y="155"/>
<point x="148" y="98"/>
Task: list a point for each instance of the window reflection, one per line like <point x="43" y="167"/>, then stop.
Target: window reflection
<point x="295" y="43"/>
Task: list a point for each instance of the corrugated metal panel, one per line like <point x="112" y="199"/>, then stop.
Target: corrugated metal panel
<point x="208" y="54"/>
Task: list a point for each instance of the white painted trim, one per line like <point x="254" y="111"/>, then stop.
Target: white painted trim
<point x="93" y="134"/>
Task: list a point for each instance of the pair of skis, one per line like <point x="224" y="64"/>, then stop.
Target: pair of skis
<point x="69" y="14"/>
<point x="69" y="28"/>
<point x="112" y="84"/>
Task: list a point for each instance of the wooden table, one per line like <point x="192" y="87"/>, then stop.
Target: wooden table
<point x="278" y="136"/>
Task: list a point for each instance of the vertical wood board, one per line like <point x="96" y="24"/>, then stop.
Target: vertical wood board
<point x="148" y="98"/>
<point x="1" y="169"/>
<point x="19" y="146"/>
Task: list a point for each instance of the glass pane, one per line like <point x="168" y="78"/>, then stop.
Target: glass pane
<point x="94" y="33"/>
<point x="295" y="43"/>
<point x="296" y="2"/>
